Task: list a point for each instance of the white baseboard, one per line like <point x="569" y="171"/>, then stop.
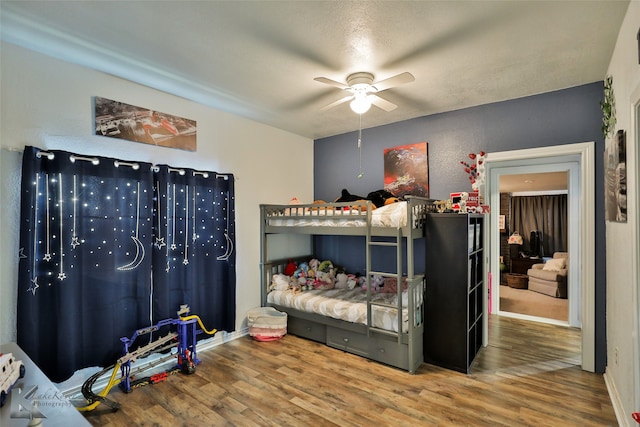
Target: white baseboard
<point x="615" y="401"/>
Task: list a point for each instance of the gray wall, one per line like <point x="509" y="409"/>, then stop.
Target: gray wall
<point x="563" y="117"/>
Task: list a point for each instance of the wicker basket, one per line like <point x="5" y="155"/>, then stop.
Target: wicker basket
<point x="518" y="281"/>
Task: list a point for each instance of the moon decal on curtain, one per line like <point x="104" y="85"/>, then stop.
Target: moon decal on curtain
<point x="229" y="251"/>
<point x="137" y="260"/>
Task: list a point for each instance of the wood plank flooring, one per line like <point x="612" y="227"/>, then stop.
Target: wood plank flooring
<point x="529" y="375"/>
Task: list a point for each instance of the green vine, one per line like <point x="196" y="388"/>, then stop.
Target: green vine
<point x="608" y="106"/>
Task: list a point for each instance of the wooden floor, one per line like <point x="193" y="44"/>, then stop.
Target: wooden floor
<point x="529" y="375"/>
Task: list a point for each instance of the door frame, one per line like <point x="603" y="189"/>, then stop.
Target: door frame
<point x="581" y="241"/>
<point x="573" y="233"/>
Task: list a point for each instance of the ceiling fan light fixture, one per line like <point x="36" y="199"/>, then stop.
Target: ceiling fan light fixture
<point x="361" y="103"/>
<point x="363" y="91"/>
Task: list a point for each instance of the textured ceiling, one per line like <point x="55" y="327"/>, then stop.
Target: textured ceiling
<point x="258" y="59"/>
<point x="534" y="182"/>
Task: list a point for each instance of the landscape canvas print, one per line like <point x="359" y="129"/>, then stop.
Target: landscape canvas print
<point x="406" y="170"/>
<point x="116" y="119"/>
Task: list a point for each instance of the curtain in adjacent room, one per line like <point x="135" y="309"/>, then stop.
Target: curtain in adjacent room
<point x="194" y="247"/>
<point x="97" y="261"/>
<point x="545" y="213"/>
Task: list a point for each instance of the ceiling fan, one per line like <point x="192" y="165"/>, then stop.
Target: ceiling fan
<point x="363" y="91"/>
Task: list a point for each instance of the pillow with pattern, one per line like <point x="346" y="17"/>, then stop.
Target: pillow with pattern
<point x="555" y="264"/>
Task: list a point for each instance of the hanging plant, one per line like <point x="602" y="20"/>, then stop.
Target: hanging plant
<point x="608" y="106"/>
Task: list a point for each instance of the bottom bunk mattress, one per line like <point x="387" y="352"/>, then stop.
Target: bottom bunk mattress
<point x="346" y="304"/>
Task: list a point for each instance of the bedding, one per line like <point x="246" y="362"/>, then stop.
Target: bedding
<point x="346" y="304"/>
<point x="392" y="215"/>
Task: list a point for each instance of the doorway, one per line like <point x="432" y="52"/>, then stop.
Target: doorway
<point x="534" y="205"/>
<point x="577" y="160"/>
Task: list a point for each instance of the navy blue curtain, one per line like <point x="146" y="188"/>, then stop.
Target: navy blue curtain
<point x="194" y="248"/>
<point x="92" y="267"/>
<point x="84" y="266"/>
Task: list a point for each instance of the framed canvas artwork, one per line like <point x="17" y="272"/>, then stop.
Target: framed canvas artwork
<point x="116" y="119"/>
<point x="406" y="170"/>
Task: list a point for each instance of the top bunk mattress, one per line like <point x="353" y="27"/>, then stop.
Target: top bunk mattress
<point x="392" y="215"/>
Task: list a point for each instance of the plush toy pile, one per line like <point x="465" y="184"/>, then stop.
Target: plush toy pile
<point x="314" y="274"/>
<point x="317" y="274"/>
<point x="378" y="198"/>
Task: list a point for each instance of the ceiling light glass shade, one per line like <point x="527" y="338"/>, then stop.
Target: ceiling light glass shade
<point x="360" y="104"/>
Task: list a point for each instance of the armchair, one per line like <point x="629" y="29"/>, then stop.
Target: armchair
<point x="550" y="278"/>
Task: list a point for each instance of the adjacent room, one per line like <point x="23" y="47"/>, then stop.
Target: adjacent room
<point x="535" y="229"/>
<point x="319" y="213"/>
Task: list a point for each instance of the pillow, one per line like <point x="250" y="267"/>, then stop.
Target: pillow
<point x="555" y="264"/>
<point x="280" y="282"/>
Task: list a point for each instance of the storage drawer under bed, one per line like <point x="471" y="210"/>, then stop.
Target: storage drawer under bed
<point x="389" y="352"/>
<point x="352" y="342"/>
<point x="307" y="329"/>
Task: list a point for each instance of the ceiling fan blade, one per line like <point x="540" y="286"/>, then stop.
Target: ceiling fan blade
<point x="331" y="83"/>
<point x="382" y="103"/>
<point x="394" y="81"/>
<point x="336" y="103"/>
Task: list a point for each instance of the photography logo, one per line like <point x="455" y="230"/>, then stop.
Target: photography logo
<point x="24" y="402"/>
<point x="28" y="402"/>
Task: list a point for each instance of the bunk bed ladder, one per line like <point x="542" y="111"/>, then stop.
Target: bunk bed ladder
<point x="370" y="244"/>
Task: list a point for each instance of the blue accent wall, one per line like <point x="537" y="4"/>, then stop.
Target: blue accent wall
<point x="556" y="118"/>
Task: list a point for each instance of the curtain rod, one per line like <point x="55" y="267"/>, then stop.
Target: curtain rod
<point x="93" y="160"/>
<point x="48" y="155"/>
<point x="133" y="166"/>
<point x="118" y="163"/>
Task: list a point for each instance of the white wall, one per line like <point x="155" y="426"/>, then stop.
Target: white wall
<point x="623" y="370"/>
<point x="47" y="103"/>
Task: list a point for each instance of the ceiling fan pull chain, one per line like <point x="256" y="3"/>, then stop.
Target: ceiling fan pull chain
<point x="360" y="175"/>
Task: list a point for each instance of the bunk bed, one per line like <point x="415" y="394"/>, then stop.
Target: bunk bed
<point x="385" y="328"/>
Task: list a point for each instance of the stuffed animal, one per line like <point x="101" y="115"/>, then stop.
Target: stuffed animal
<point x="301" y="271"/>
<point x="342" y="281"/>
<point x="304" y="267"/>
<point x="380" y="197"/>
<point x="359" y="202"/>
<point x="377" y="282"/>
<point x="352" y="281"/>
<point x="348" y="197"/>
<point x="290" y="268"/>
<point x="391" y="285"/>
<point x="391" y="200"/>
<point x="301" y="276"/>
<point x="323" y="281"/>
<point x="464" y="197"/>
<point x="325" y="266"/>
<point x="296" y="286"/>
<point x="345" y="281"/>
<point x="280" y="282"/>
